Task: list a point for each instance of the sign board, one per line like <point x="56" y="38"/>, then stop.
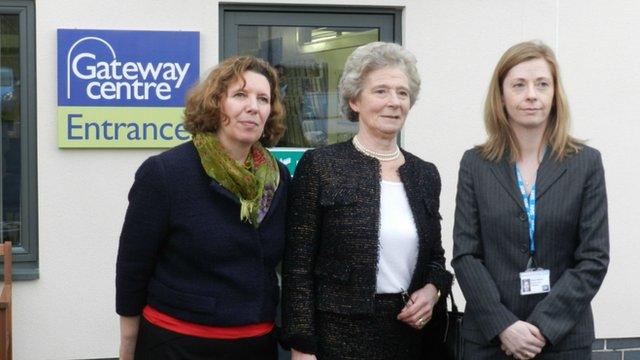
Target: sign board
<point x="124" y="89"/>
<point x="288" y="156"/>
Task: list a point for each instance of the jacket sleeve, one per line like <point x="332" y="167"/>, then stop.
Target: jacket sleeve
<point x="437" y="273"/>
<point x="571" y="295"/>
<point x="145" y="226"/>
<point x="303" y="235"/>
<point x="476" y="282"/>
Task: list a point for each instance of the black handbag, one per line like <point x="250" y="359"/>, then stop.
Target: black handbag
<point x="453" y="342"/>
<point x="443" y="336"/>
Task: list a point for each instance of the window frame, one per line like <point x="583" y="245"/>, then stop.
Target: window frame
<point x="25" y="256"/>
<point x="233" y="15"/>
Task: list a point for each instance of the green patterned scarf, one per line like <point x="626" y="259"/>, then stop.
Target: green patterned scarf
<point x="254" y="183"/>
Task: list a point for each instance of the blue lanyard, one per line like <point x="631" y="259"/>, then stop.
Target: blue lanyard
<point x="530" y="208"/>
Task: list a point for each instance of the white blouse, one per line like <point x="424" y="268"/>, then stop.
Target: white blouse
<point x="398" y="240"/>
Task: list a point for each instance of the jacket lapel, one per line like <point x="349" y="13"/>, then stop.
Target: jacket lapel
<point x="418" y="197"/>
<point x="505" y="174"/>
<point x="414" y="195"/>
<point x="549" y="172"/>
<point x="215" y="186"/>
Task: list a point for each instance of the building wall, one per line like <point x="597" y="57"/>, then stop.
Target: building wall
<point x="69" y="311"/>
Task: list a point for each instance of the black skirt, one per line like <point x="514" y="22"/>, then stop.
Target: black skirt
<point x="155" y="343"/>
<point x="379" y="336"/>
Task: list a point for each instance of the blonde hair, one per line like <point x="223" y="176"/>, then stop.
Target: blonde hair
<point x="202" y="109"/>
<point x="501" y="138"/>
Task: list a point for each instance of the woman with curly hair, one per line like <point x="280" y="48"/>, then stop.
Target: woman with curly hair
<point x="204" y="230"/>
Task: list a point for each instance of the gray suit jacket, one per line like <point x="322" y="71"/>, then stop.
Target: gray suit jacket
<point x="491" y="247"/>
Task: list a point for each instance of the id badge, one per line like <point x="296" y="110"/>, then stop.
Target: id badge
<point x="534" y="281"/>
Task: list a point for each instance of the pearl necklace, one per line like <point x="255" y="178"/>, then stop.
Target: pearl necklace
<point x="380" y="156"/>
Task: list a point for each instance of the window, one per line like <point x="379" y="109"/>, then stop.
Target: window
<point x="18" y="192"/>
<point x="308" y="46"/>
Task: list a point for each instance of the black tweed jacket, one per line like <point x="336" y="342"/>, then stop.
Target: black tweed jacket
<point x="331" y="252"/>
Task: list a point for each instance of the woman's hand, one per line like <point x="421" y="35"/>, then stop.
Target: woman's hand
<point x="419" y="309"/>
<point x="522" y="340"/>
<point x="297" y="355"/>
<point x="128" y="335"/>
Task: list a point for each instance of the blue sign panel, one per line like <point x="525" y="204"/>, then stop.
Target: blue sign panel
<point x="124" y="89"/>
<point x="126" y="68"/>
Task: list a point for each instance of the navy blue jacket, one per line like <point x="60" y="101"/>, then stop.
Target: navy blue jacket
<point x="184" y="251"/>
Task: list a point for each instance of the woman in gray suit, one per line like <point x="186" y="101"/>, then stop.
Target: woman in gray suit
<point x="531" y="242"/>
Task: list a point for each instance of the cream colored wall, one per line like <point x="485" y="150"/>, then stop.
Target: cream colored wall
<point x="600" y="54"/>
<point x="69" y="311"/>
<point x="458" y="45"/>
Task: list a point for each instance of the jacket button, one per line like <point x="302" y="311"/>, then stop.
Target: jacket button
<point x="523" y="249"/>
<point x="523" y="217"/>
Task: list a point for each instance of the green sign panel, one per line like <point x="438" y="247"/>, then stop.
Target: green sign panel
<point x="288" y="156"/>
<point x="113" y="127"/>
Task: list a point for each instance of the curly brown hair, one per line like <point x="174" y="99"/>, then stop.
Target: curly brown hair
<point x="202" y="111"/>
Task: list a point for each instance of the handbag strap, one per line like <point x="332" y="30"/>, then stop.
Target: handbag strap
<point x="454" y="307"/>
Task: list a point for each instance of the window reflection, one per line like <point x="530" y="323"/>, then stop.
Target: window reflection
<point x="10" y="116"/>
<point x="310" y="62"/>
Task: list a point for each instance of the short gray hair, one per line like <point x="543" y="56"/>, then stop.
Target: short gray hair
<point x="372" y="57"/>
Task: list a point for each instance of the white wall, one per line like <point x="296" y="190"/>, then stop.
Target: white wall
<point x="69" y="311"/>
<point x="458" y="46"/>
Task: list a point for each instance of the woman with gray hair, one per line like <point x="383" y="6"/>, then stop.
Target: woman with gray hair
<point x="364" y="265"/>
